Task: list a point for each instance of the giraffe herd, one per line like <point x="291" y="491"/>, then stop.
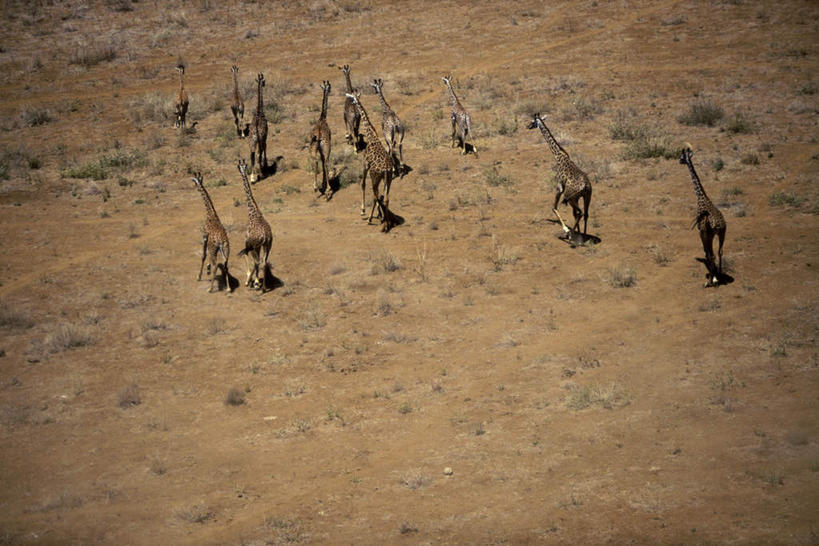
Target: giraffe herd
<point x="382" y="164"/>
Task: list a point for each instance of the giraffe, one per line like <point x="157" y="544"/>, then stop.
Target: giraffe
<point x="352" y="119"/>
<point x="572" y="182"/>
<point x="214" y="238"/>
<point x="709" y="221"/>
<point x="459" y="117"/>
<point x="320" y="140"/>
<point x="238" y="105"/>
<point x="391" y="126"/>
<point x="258" y="132"/>
<point x="181" y="102"/>
<point x="380" y="166"/>
<point x="258" y="238"/>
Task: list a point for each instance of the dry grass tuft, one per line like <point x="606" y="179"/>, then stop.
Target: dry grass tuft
<point x="129" y="397"/>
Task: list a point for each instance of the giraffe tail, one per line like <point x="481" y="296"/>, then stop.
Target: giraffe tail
<point x="700" y="217"/>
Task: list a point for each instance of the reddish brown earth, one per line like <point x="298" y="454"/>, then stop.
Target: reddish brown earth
<point x="578" y="395"/>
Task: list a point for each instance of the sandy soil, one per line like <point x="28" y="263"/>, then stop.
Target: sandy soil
<point x="575" y="395"/>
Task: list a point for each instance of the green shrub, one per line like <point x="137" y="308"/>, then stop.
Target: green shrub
<point x="702" y="112"/>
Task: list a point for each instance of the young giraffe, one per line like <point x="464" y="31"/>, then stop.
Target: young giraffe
<point x="214" y="238"/>
<point x="391" y="126"/>
<point x="181" y="101"/>
<point x="709" y="221"/>
<point x="378" y="163"/>
<point x="258" y="132"/>
<point x="352" y="119"/>
<point x="238" y="105"/>
<point x="320" y="140"/>
<point x="459" y="117"/>
<point x="258" y="239"/>
<point x="572" y="182"/>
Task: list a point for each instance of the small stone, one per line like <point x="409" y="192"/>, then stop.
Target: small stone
<point x="447" y="471"/>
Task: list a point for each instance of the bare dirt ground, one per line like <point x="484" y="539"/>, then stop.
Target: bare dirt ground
<point x="578" y="395"/>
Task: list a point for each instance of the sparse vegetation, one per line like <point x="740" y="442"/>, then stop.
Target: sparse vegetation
<point x="33" y="117"/>
<point x="622" y="277"/>
<point x="195" y="514"/>
<point x="67" y="336"/>
<point x="129" y="396"/>
<point x="702" y="112"/>
<point x="786" y="199"/>
<point x="609" y="396"/>
<point x="234" y="397"/>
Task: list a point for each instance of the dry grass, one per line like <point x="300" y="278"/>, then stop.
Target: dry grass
<point x="608" y="396"/>
<point x="129" y="396"/>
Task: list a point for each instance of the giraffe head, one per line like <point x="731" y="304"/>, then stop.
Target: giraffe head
<point x="354" y="96"/>
<point x="197" y="178"/>
<point x="447" y="81"/>
<point x="325" y="86"/>
<point x="180" y="68"/>
<point x="686" y="154"/>
<point x="260" y="79"/>
<point x="536" y="120"/>
<point x="377" y="85"/>
<point x="234" y="69"/>
<point x="242" y="166"/>
<point x="345" y="69"/>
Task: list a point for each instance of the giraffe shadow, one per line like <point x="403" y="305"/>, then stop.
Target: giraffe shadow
<point x="232" y="282"/>
<point x="575" y="240"/>
<point x="273" y="282"/>
<point x="722" y="278"/>
<point x="334" y="182"/>
<point x="389" y="219"/>
<point x="271" y="168"/>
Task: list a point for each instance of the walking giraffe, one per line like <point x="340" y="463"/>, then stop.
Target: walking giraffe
<point x="181" y="101"/>
<point x="320" y="141"/>
<point x="258" y="132"/>
<point x="459" y="117"/>
<point x="709" y="221"/>
<point x="391" y="126"/>
<point x="237" y="107"/>
<point x="572" y="182"/>
<point x="352" y="119"/>
<point x="258" y="238"/>
<point x="214" y="238"/>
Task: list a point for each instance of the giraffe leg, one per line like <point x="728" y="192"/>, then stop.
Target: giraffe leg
<point x="204" y="255"/>
<point x="247" y="268"/>
<point x="707" y="237"/>
<point x="554" y="207"/>
<point x="452" y="143"/>
<point x="586" y="200"/>
<point x="363" y="190"/>
<point x="212" y="263"/>
<point x="578" y="215"/>
<point x="376" y="182"/>
<point x="225" y="276"/>
<point x="562" y="223"/>
<point x="264" y="266"/>
<point x="721" y="235"/>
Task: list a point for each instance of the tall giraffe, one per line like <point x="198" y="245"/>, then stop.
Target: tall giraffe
<point x="181" y="101"/>
<point x="258" y="238"/>
<point x="459" y="117"/>
<point x="238" y="105"/>
<point x="320" y="140"/>
<point x="709" y="221"/>
<point x="352" y="119"/>
<point x="378" y="163"/>
<point x="214" y="238"/>
<point x="391" y="126"/>
<point x="572" y="182"/>
<point x="258" y="132"/>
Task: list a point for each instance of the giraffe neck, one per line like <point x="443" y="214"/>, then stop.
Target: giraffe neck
<point x="252" y="207"/>
<point x="385" y="108"/>
<point x="557" y="150"/>
<point x="452" y="98"/>
<point x="349" y="82"/>
<point x="181" y="82"/>
<point x="324" y="96"/>
<point x="236" y="85"/>
<point x="698" y="189"/>
<point x="259" y="100"/>
<point x="373" y="142"/>
<point x="211" y="212"/>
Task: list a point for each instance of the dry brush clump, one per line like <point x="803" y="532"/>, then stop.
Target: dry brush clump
<point x="129" y="396"/>
<point x="608" y="396"/>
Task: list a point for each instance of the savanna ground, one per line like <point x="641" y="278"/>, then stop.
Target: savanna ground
<point x="591" y="394"/>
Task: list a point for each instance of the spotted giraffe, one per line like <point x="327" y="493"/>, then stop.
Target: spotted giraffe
<point x="380" y="166"/>
<point x="258" y="132"/>
<point x="572" y="182"/>
<point x="391" y="126"/>
<point x="237" y="106"/>
<point x="352" y="119"/>
<point x="320" y="141"/>
<point x="258" y="239"/>
<point x="181" y="101"/>
<point x="709" y="221"/>
<point x="461" y="122"/>
<point x="214" y="238"/>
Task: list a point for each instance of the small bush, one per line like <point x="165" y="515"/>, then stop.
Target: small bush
<point x="786" y="199"/>
<point x="14" y="320"/>
<point x="750" y="159"/>
<point x="622" y="277"/>
<point x="646" y="147"/>
<point x="235" y="397"/>
<point x="66" y="337"/>
<point x="33" y="117"/>
<point x="494" y="178"/>
<point x="626" y="127"/>
<point x="606" y="396"/>
<point x="703" y="112"/>
<point x="195" y="514"/>
<point x="383" y="261"/>
<point x="88" y="56"/>
<point x="129" y="397"/>
<point x="739" y="125"/>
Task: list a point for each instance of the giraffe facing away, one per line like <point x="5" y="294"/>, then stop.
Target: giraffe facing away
<point x="461" y="122"/>
<point x="320" y="141"/>
<point x="258" y="239"/>
<point x="709" y="221"/>
<point x="391" y="126"/>
<point x="214" y="239"/>
<point x="237" y="106"/>
<point x="572" y="182"/>
<point x="181" y="102"/>
<point x="258" y="132"/>
<point x="379" y="165"/>
<point x="352" y="119"/>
